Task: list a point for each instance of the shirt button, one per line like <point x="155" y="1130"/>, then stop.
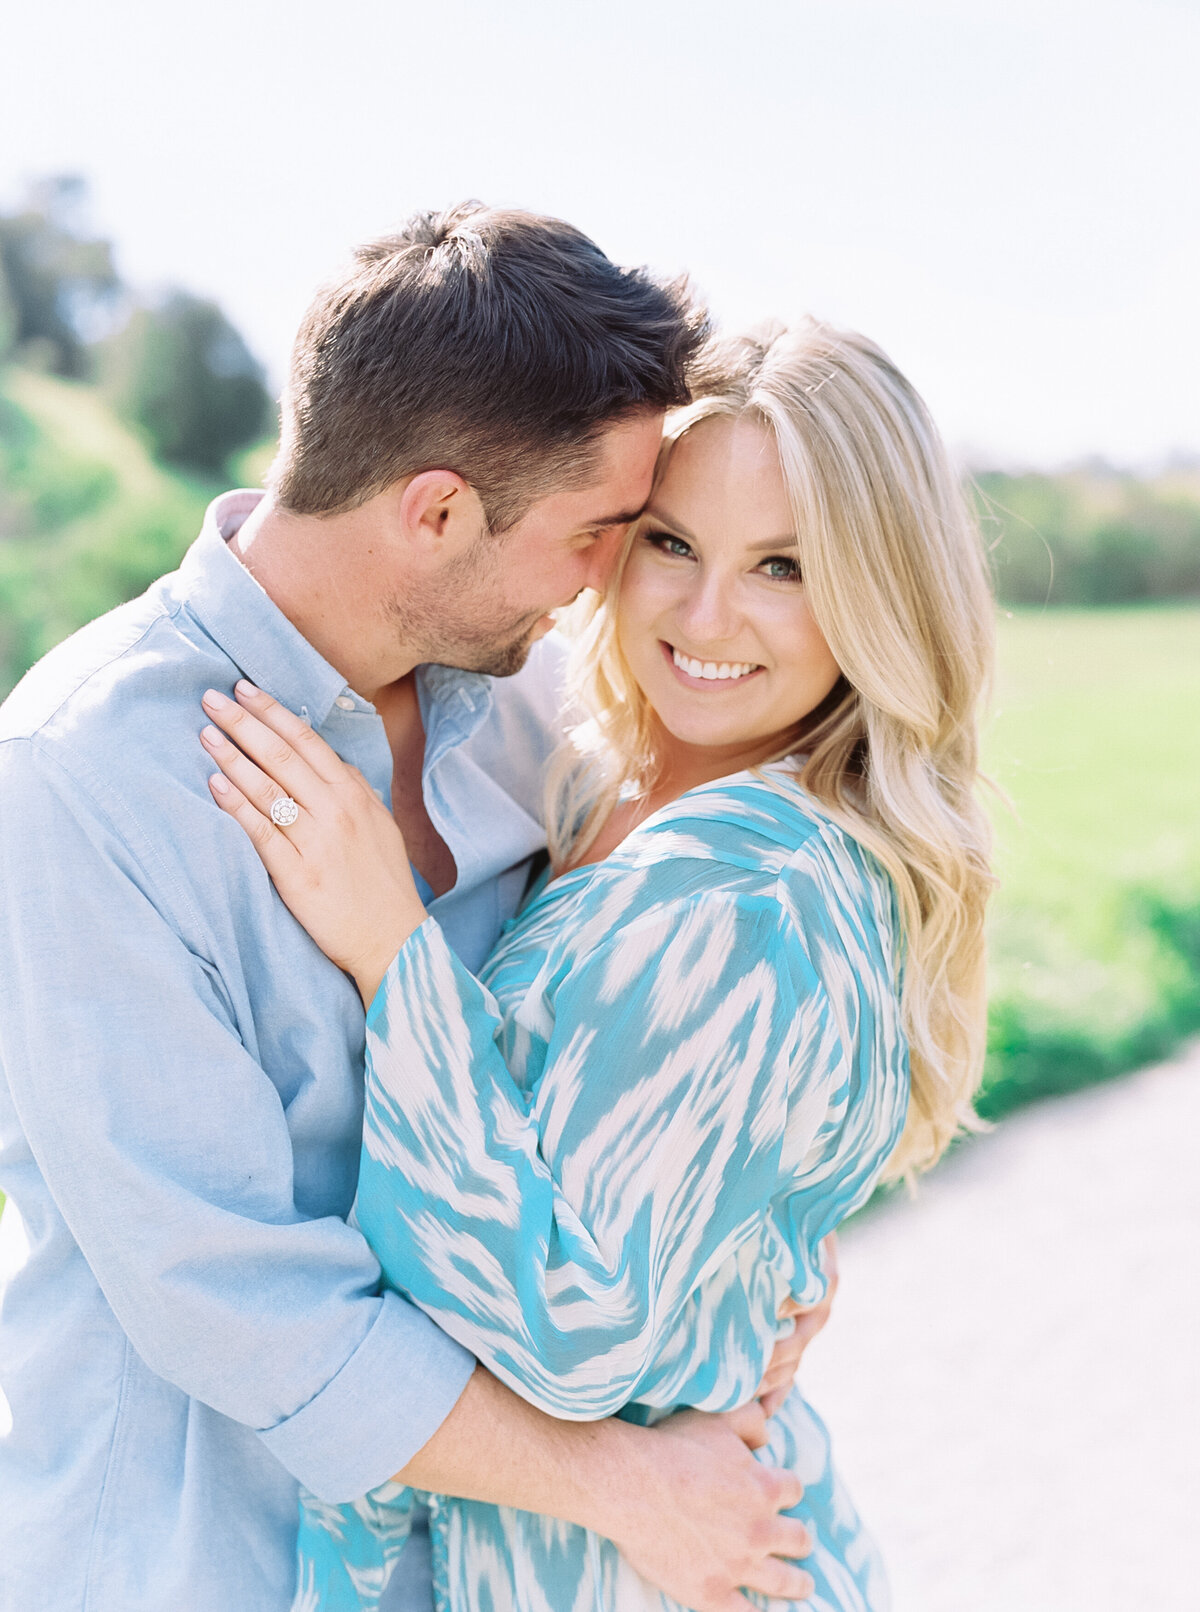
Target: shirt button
<point x="344" y="702"/>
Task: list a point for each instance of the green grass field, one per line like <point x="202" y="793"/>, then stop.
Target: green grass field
<point x="1095" y="736"/>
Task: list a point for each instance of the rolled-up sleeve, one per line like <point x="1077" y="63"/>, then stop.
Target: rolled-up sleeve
<point x="166" y="1149"/>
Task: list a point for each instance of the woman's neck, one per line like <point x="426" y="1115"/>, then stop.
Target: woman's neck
<point x="680" y="768"/>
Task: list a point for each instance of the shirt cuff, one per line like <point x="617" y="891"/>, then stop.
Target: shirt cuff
<point x="369" y="1420"/>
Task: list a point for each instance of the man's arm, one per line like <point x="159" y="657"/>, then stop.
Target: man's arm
<point x="167" y="1151"/>
<point x="685" y="1502"/>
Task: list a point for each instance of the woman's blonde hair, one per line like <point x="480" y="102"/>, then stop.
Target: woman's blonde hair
<point x="896" y="579"/>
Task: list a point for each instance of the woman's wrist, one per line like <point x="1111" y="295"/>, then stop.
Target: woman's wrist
<point x="369" y="974"/>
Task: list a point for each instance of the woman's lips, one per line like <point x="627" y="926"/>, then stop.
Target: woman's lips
<point x="709" y="685"/>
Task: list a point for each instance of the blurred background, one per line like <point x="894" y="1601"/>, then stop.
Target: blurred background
<point x="1006" y="195"/>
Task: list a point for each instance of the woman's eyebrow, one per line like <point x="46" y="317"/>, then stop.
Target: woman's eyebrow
<point x="788" y="541"/>
<point x="669" y="520"/>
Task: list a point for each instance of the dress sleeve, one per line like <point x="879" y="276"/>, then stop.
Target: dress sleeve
<point x="559" y="1232"/>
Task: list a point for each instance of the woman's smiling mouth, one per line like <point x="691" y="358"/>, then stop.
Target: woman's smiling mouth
<point x="705" y="673"/>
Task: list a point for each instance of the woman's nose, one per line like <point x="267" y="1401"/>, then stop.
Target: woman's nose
<point x="707" y="612"/>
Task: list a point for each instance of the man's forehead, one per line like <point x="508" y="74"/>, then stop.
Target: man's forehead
<point x="617" y="486"/>
<point x="622" y="484"/>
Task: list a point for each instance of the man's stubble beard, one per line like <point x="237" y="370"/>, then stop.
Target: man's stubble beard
<point x="454" y="621"/>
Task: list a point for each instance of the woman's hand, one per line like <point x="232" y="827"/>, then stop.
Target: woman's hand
<point x="342" y="866"/>
<point x="808" y="1320"/>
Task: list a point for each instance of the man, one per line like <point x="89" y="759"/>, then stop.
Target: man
<point x="471" y="423"/>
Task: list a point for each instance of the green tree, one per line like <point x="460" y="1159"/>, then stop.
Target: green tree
<point x="61" y="285"/>
<point x="182" y="374"/>
<point x="8" y="317"/>
<point x="1091" y="537"/>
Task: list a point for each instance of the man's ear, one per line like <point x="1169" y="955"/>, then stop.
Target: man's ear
<point x="437" y="513"/>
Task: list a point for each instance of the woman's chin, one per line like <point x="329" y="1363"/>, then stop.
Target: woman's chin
<point x="698" y="731"/>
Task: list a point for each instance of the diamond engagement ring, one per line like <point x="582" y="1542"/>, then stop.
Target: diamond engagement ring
<point x="284" y="811"/>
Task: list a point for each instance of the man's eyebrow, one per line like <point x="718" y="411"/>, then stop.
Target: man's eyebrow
<point x="788" y="541"/>
<point x="625" y="518"/>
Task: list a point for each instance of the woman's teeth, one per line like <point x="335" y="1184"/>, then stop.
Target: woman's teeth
<point x="712" y="670"/>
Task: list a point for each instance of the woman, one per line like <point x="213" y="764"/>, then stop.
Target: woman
<point x="753" y="979"/>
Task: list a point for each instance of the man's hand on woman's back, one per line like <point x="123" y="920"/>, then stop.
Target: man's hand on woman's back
<point x="706" y="1521"/>
<point x="685" y="1502"/>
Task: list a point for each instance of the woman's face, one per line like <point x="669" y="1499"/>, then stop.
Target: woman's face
<point x="712" y="615"/>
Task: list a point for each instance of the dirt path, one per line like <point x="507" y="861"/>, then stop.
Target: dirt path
<point x="1012" y="1374"/>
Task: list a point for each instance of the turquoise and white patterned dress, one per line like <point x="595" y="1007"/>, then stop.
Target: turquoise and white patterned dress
<point x="604" y="1165"/>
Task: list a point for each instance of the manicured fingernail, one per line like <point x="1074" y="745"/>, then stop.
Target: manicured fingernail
<point x="211" y="735"/>
<point x="214" y="700"/>
<point x="248" y="689"/>
<point x="219" y="783"/>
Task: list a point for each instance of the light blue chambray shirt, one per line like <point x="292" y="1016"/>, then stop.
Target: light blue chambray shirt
<point x="189" y="1327"/>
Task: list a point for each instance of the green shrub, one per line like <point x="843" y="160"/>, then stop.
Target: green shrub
<point x="1033" y="1055"/>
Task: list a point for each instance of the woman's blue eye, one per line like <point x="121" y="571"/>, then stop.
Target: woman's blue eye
<point x="777" y="567"/>
<point x="668" y="543"/>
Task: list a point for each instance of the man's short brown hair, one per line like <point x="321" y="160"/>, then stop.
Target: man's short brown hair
<point x="497" y="344"/>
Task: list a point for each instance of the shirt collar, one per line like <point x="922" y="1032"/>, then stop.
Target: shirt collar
<point x="238" y="613"/>
<point x="249" y="626"/>
<point x="453" y="704"/>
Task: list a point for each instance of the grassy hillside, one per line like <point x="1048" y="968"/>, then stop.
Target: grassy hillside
<point x="87" y="518"/>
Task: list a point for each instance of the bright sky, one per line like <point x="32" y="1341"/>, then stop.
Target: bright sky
<point x="1004" y="193"/>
